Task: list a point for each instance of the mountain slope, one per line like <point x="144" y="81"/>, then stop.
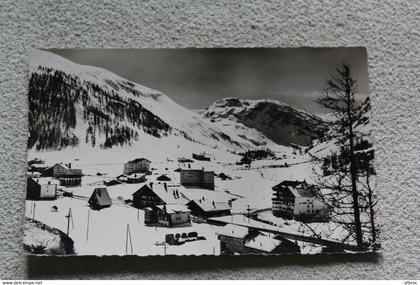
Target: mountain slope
<point x="72" y="105"/>
<point x="277" y="121"/>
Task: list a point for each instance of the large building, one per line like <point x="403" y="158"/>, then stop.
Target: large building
<point x="138" y="165"/>
<point x="68" y="177"/>
<point x="197" y="178"/>
<point x="41" y="189"/>
<point x="299" y="200"/>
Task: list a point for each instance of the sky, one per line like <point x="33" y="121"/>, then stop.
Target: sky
<point x="196" y="78"/>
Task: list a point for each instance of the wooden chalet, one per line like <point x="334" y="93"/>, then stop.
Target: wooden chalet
<point x="41" y="188"/>
<point x="100" y="199"/>
<point x="207" y="208"/>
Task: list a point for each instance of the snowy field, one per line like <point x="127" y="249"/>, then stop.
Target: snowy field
<point x="107" y="231"/>
<point x="249" y="189"/>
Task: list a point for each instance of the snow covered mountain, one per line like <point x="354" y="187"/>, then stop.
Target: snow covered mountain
<point x="74" y="105"/>
<point x="279" y="122"/>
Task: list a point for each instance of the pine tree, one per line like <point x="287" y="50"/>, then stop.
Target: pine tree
<point x="339" y="97"/>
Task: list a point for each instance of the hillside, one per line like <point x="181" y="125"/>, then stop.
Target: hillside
<point x="279" y="122"/>
<point x="74" y="105"/>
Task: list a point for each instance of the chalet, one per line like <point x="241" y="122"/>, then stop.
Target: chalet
<point x="207" y="208"/>
<point x="41" y="189"/>
<point x="35" y="160"/>
<point x="184" y="160"/>
<point x="264" y="244"/>
<point x="232" y="238"/>
<point x="299" y="200"/>
<point x="132" y="178"/>
<point x="158" y="194"/>
<point x="68" y="177"/>
<point x="163" y="177"/>
<point x="112" y="182"/>
<point x="224" y="176"/>
<point x="99" y="199"/>
<point x="197" y="178"/>
<point x="200" y="157"/>
<point x="167" y="215"/>
<point x="245" y="160"/>
<point x="38" y="167"/>
<point x="138" y="165"/>
<point x="33" y="174"/>
<point x="242" y="240"/>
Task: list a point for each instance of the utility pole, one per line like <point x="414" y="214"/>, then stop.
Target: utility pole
<point x="127" y="239"/>
<point x="69" y="216"/>
<point x="248" y="209"/>
<point x="87" y="229"/>
<point x="33" y="212"/>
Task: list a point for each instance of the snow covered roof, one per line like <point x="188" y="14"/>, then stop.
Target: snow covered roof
<point x="168" y="194"/>
<point x="174" y="208"/>
<point x="60" y="164"/>
<point x="163" y="177"/>
<point x="236" y="231"/>
<point x="46" y="180"/>
<point x="262" y="243"/>
<point x="196" y="170"/>
<point x="297" y="188"/>
<point x="102" y="196"/>
<point x="211" y="206"/>
<point x="136" y="175"/>
<point x="138" y="160"/>
<point x="39" y="165"/>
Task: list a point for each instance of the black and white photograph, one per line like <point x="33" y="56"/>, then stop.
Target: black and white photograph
<point x="200" y="151"/>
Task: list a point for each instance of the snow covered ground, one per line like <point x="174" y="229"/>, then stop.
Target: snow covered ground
<point x="248" y="188"/>
<point x="107" y="230"/>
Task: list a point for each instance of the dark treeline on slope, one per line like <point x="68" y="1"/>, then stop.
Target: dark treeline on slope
<point x="55" y="97"/>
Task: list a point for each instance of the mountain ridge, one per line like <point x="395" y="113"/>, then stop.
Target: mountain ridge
<point x="276" y="120"/>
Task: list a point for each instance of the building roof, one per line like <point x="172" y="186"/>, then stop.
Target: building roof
<point x="138" y="160"/>
<point x="292" y="183"/>
<point x="183" y="159"/>
<point x="102" y="196"/>
<point x="136" y="175"/>
<point x="174" y="208"/>
<point x="163" y="177"/>
<point x="262" y="243"/>
<point x="45" y="180"/>
<point x="39" y="165"/>
<point x="60" y="164"/>
<point x="195" y="170"/>
<point x="236" y="231"/>
<point x="211" y="206"/>
<point x="298" y="188"/>
<point x="168" y="195"/>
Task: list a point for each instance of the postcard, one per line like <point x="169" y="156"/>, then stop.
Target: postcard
<point x="212" y="151"/>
